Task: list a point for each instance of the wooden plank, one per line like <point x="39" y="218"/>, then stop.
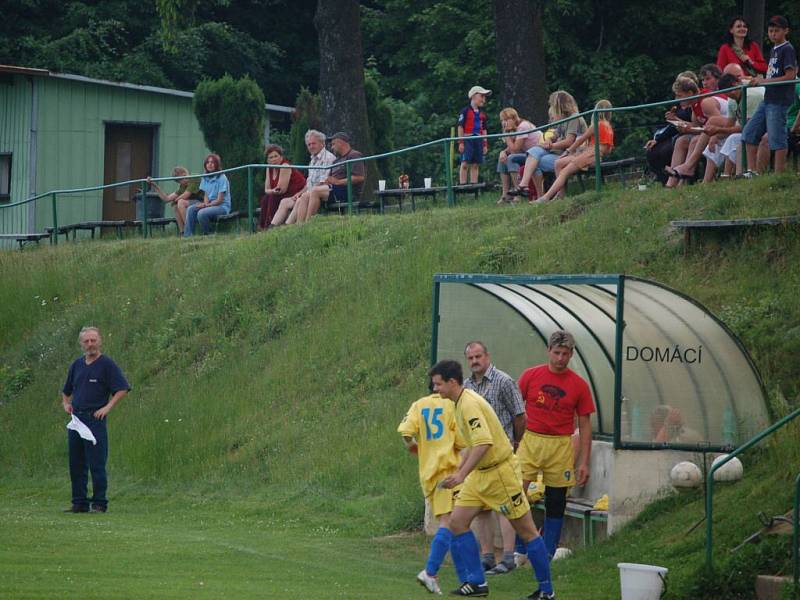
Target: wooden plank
<point x="722" y="223"/>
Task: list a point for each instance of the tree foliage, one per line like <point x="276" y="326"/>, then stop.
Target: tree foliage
<point x="231" y="115"/>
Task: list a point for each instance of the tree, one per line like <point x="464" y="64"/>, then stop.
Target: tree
<point x="753" y="13"/>
<point x="231" y="115"/>
<point x="521" y="72"/>
<point x="306" y="116"/>
<point x="341" y="75"/>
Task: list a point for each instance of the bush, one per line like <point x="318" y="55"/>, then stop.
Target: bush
<point x="231" y="114"/>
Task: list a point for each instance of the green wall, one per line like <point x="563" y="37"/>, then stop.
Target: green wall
<point x="15" y="131"/>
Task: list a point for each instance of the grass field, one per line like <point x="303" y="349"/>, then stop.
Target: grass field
<point x="257" y="452"/>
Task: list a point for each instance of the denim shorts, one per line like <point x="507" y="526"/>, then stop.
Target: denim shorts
<point x="512" y="164"/>
<point x="547" y="160"/>
<point x="769" y="118"/>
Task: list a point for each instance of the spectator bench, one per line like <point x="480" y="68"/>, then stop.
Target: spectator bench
<point x="692" y="228"/>
<point x="623" y="169"/>
<point x="581" y="509"/>
<point x="24" y="238"/>
<point x="411" y="193"/>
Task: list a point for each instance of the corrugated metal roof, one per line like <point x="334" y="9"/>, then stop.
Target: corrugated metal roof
<point x="131" y="86"/>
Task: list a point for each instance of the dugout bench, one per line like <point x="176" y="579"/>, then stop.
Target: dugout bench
<point x="582" y="510"/>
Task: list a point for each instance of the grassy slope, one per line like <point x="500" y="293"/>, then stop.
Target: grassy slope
<point x="271" y="370"/>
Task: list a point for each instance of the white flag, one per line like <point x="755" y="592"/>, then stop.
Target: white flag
<point x="77" y="425"/>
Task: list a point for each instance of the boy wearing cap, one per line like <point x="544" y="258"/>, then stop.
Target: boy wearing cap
<point x="472" y="121"/>
<point x="771" y="113"/>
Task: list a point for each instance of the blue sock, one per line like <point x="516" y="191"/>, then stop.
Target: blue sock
<point x="466" y="552"/>
<point x="439" y="547"/>
<point x="519" y="546"/>
<point x="537" y="554"/>
<point x="458" y="563"/>
<point x="552" y="534"/>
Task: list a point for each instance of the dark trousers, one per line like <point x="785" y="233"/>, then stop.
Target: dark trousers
<point x="85" y="457"/>
<point x="658" y="157"/>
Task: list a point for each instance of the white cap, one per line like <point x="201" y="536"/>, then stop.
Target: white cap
<point x="476" y="89"/>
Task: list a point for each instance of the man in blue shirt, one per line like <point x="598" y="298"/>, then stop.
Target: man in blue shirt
<point x="90" y="381"/>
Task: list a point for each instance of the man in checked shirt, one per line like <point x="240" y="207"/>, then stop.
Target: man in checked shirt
<point x="499" y="390"/>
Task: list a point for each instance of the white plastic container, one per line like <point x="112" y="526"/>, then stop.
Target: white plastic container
<point x="641" y="582"/>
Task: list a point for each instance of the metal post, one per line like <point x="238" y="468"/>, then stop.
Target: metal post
<point x="349" y="189"/>
<point x="743" y="147"/>
<point x="144" y="212"/>
<point x="54" y="239"/>
<point x="598" y="177"/>
<point x="448" y="173"/>
<point x="250" y="199"/>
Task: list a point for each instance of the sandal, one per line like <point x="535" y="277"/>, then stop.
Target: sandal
<point x="518" y="191"/>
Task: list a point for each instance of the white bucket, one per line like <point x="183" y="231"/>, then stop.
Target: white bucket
<point x="641" y="582"/>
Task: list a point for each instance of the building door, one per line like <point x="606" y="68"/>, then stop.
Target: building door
<point x="128" y="155"/>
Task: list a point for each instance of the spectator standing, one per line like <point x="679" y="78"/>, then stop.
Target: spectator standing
<point x="739" y="49"/>
<point x="515" y="152"/>
<point x="429" y="431"/>
<point x="502" y="393"/>
<point x="492" y="481"/>
<point x="334" y="187"/>
<point x="188" y="192"/>
<point x="554" y="396"/>
<point x="771" y="113"/>
<point x="94" y="385"/>
<point x="472" y="122"/>
<point x="278" y="184"/>
<point x="216" y="198"/>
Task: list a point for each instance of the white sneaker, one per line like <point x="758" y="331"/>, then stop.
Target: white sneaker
<point x="430" y="583"/>
<point x="520" y="559"/>
<point x="749" y="174"/>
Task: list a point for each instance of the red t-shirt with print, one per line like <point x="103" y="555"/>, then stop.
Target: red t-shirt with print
<point x="553" y="399"/>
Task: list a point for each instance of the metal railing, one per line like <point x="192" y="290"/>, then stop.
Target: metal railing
<point x="445" y="144"/>
<point x="710" y="485"/>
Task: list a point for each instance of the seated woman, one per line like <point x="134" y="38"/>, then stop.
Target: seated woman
<point x="542" y="157"/>
<point x="188" y="192"/>
<point x="216" y="198"/>
<point x="579" y="156"/>
<point x="702" y="110"/>
<point x="278" y="184"/>
<point x="741" y="50"/>
<point x="515" y="152"/>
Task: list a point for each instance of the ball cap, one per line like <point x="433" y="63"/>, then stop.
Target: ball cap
<point x="476" y="89"/>
<point x="778" y="21"/>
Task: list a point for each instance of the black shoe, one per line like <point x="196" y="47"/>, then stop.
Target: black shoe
<point x="77" y="508"/>
<point x="473" y="590"/>
<point x="99" y="508"/>
<point x="518" y="191"/>
<point x="488" y="565"/>
<point x="539" y="595"/>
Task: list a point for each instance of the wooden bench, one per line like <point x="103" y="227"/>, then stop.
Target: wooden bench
<point x="93" y="226"/>
<point x="582" y="509"/>
<point x="692" y="228"/>
<point x="24" y="238"/>
<point x="234" y="215"/>
<point x="624" y="169"/>
<point x="411" y="193"/>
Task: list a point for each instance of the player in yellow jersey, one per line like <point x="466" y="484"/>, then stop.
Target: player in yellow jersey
<point x="491" y="481"/>
<point x="429" y="430"/>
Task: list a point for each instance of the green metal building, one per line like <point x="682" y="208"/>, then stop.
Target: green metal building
<point x="61" y="131"/>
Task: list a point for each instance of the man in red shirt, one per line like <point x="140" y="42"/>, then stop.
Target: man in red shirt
<point x="554" y="395"/>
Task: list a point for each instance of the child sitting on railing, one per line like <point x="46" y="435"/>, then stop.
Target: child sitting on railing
<point x="580" y="157"/>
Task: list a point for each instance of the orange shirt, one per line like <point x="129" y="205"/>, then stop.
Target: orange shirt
<point x="606" y="135"/>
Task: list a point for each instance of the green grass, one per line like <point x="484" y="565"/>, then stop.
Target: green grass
<point x="270" y="372"/>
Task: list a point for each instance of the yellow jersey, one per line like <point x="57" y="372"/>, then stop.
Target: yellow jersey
<point x="478" y="425"/>
<point x="431" y="420"/>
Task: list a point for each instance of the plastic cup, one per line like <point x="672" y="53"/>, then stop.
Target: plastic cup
<point x="381" y="184"/>
<point x="428" y="182"/>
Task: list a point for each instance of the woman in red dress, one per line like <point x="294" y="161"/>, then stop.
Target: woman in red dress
<point x="279" y="184"/>
<point x="741" y="50"/>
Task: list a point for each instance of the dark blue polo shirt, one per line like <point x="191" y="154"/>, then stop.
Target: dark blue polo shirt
<point x="91" y="386"/>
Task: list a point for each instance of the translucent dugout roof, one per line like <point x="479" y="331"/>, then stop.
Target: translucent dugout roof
<point x="671" y="376"/>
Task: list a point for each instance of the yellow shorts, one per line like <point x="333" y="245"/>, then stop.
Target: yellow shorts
<point x="550" y="455"/>
<point x="498" y="488"/>
<point x="442" y="500"/>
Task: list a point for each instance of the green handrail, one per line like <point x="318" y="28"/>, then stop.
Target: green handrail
<point x="349" y="171"/>
<point x="447" y="140"/>
<point x="710" y="480"/>
<point x="144" y="210"/>
<point x="252" y="225"/>
<point x="55" y="221"/>
<point x="598" y="176"/>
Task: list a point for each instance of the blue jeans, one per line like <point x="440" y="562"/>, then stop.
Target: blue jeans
<point x="769" y="118"/>
<point x="547" y="160"/>
<point x="85" y="457"/>
<point x="195" y="214"/>
<point x="512" y="164"/>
